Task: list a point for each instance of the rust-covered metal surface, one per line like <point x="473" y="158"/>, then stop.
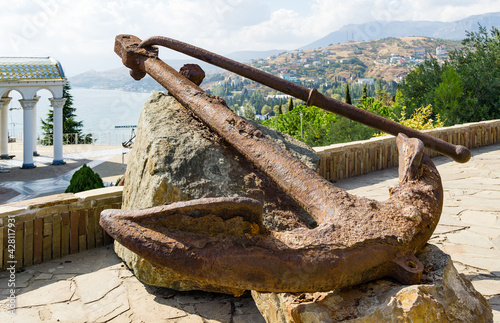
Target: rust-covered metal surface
<point x="223" y="242"/>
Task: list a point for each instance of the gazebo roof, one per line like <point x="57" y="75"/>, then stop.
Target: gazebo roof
<point x="30" y="69"/>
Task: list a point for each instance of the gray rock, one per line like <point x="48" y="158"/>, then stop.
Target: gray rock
<point x="443" y="295"/>
<point x="176" y="157"/>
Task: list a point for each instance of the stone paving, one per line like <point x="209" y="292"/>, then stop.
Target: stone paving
<point x="95" y="286"/>
<point x="105" y="160"/>
<point x="469" y="228"/>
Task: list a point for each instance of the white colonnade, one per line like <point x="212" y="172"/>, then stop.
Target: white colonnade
<point x="28" y="75"/>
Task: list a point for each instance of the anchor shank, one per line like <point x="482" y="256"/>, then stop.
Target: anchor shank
<point x="311" y="191"/>
<point x="312" y="97"/>
<point x="305" y="186"/>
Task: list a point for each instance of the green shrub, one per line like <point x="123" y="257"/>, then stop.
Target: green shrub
<point x="84" y="179"/>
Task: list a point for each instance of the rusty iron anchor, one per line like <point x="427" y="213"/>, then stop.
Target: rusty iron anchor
<point x="356" y="239"/>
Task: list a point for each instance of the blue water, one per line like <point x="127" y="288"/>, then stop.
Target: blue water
<point x="100" y="111"/>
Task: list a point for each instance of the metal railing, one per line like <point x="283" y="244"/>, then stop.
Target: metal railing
<point x="103" y="138"/>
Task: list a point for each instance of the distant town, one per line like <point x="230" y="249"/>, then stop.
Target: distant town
<point x="384" y="62"/>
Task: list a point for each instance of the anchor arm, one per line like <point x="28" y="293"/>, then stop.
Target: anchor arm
<point x="356" y="239"/>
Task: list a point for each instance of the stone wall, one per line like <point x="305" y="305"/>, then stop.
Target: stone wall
<point x="350" y="159"/>
<point x="46" y="228"/>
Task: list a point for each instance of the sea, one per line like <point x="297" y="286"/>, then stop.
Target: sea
<point x="109" y="115"/>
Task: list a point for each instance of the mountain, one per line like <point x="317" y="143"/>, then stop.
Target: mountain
<point x="120" y="79"/>
<point x="115" y="79"/>
<point x="455" y="30"/>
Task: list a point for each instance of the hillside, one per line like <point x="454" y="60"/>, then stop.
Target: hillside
<point x="385" y="59"/>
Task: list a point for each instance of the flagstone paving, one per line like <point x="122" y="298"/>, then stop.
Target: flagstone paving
<point x="95" y="286"/>
<point x="469" y="229"/>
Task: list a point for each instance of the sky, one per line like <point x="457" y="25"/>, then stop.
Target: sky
<point x="80" y="34"/>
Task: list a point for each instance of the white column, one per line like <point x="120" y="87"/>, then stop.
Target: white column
<point x="4" y="130"/>
<point x="28" y="106"/>
<point x="57" y="132"/>
<point x="35" y="153"/>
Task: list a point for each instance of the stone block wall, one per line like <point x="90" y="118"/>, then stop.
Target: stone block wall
<point x="41" y="229"/>
<point x="350" y="159"/>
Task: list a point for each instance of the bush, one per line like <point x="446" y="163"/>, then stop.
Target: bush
<point x="421" y="119"/>
<point x="84" y="179"/>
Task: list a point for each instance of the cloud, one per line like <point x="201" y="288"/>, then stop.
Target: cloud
<point x="81" y="33"/>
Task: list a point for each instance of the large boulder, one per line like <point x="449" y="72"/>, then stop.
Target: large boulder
<point x="443" y="295"/>
<point x="176" y="157"/>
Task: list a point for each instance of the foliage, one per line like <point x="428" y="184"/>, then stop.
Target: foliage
<point x="70" y="125"/>
<point x="464" y="89"/>
<point x="420" y="119"/>
<point x="375" y="106"/>
<point x="290" y="105"/>
<point x="249" y="112"/>
<point x="84" y="179"/>
<point x="347" y="94"/>
<point x="320" y="128"/>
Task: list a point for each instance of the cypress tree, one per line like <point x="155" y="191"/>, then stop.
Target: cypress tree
<point x="280" y="109"/>
<point x="380" y="91"/>
<point x="70" y="125"/>
<point x="347" y="95"/>
<point x="290" y="105"/>
<point x="365" y="93"/>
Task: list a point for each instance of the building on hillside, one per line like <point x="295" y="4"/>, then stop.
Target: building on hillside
<point x="278" y="96"/>
<point x="441" y="52"/>
<point x="366" y="81"/>
<point x="394" y="59"/>
<point x="420" y="52"/>
<point x="285" y="76"/>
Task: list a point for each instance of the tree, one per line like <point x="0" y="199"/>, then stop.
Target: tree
<point x="419" y="85"/>
<point x="465" y="89"/>
<point x="249" y="111"/>
<point x="266" y="110"/>
<point x="70" y="125"/>
<point x="290" y="105"/>
<point x="84" y="179"/>
<point x="347" y="94"/>
<point x="365" y="93"/>
<point x="478" y="64"/>
<point x="447" y="96"/>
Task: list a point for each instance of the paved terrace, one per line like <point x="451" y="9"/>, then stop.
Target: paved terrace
<point x="94" y="286"/>
<point x="21" y="184"/>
